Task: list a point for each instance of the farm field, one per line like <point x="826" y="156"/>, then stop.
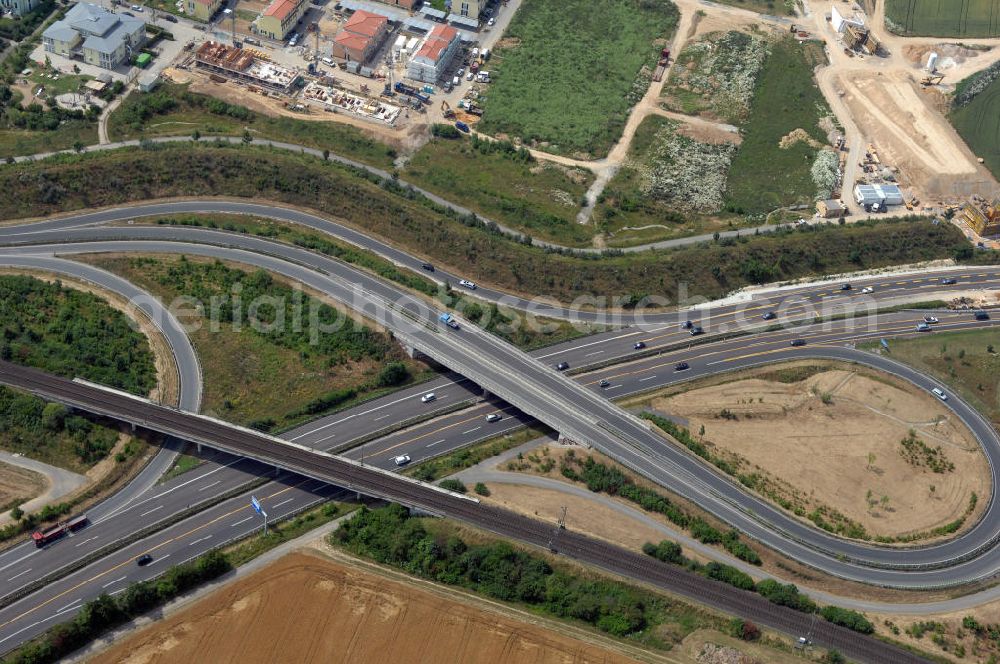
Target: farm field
<point x="978" y="123"/>
<point x="564" y="82"/>
<point x="505" y="184"/>
<point x="944" y="18"/>
<point x="904" y="466"/>
<point x="767" y="171"/>
<point x="329" y="612"/>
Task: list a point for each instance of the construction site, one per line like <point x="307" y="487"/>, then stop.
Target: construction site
<point x="245" y="66"/>
<point x="337" y="100"/>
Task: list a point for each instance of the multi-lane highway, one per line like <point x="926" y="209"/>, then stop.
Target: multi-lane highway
<point x="660" y="331"/>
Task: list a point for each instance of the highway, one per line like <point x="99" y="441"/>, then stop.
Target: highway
<point x="112" y="572"/>
<point x="542" y="393"/>
<point x="611" y="346"/>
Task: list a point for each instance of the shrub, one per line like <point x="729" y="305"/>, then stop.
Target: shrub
<point x="730" y="575"/>
<point x="785" y="595"/>
<point x="847" y="618"/>
<point x="666" y="551"/>
<point x="482" y="489"/>
<point x="744" y="629"/>
<point x="453" y="485"/>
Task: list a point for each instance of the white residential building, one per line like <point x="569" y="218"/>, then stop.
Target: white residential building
<point x="98" y="36"/>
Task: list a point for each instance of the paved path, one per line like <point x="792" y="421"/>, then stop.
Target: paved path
<point x="61" y="482"/>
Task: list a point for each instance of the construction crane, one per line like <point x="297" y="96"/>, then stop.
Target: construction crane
<point x="930" y="80"/>
<point x="447" y="110"/>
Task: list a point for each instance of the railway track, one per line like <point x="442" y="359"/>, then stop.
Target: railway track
<point x="370" y="481"/>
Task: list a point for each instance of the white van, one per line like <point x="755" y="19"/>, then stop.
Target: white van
<point x="328" y="62"/>
<point x="427" y="398"/>
<point x="939" y="393"/>
<point x="455" y="81"/>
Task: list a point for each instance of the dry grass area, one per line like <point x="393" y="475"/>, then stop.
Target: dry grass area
<point x="896" y="116"/>
<point x="19" y="484"/>
<point x="830" y="438"/>
<point x="307" y="609"/>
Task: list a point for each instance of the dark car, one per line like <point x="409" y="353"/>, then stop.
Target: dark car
<point x="696" y="330"/>
<point x="144" y="560"/>
<point x="687" y="325"/>
<point x="639" y="345"/>
<point x="798" y="342"/>
<point x="604" y="382"/>
<point x="462" y="127"/>
<point x="948" y="281"/>
<point x="427" y="266"/>
<point x="982" y="315"/>
<point x="845" y="287"/>
<point x="562" y="366"/>
<point x="170" y="17"/>
<point x="769" y="315"/>
<point x="682" y="366"/>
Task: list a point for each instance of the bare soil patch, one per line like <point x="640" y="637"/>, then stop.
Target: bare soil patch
<point x="306" y="609"/>
<point x="894" y="113"/>
<point x="19" y="484"/>
<point x="834" y="436"/>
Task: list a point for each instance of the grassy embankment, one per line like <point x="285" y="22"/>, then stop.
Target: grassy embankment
<point x="270" y="378"/>
<point x="976" y="115"/>
<point x="967" y="362"/>
<point x="72" y="182"/>
<point x="954" y="18"/>
<point x="564" y="81"/>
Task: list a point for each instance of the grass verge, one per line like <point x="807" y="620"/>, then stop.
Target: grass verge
<point x="453" y="462"/>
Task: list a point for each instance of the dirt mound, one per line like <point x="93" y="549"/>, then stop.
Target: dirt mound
<point x="715" y="654"/>
<point x="796" y="136"/>
<point x="306" y="609"/>
<point x="949" y="55"/>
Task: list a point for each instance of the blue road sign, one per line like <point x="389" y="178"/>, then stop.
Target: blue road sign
<point x="255" y="504"/>
<point x="885" y="344"/>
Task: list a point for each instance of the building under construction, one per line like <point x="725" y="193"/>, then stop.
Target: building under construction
<point x="983" y="216"/>
<point x="245" y="65"/>
<point x="860" y="39"/>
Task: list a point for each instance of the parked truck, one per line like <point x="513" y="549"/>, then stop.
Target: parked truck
<point x="43" y="537"/>
<point x="410" y="91"/>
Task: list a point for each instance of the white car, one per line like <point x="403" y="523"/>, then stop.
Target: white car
<point x="469" y="76"/>
<point x="491" y="22"/>
<point x="494" y="417"/>
<point x="939" y="393"/>
<point x="402" y="460"/>
<point x="930" y="319"/>
<point x="461" y="72"/>
<point x="867" y="289"/>
<point x="465" y="283"/>
<point x="429" y="397"/>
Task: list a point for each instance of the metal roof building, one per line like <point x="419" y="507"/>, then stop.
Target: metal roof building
<point x="869" y="194"/>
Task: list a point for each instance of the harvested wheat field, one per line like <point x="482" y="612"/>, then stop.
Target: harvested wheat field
<point x="307" y="609"/>
<point x="859" y="447"/>
<point x="19" y="484"/>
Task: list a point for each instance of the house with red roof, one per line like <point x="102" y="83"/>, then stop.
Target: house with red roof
<point x="360" y="36"/>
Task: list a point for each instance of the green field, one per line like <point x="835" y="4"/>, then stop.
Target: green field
<point x="978" y="122"/>
<point x="944" y="18"/>
<point x="763" y="175"/>
<point x="564" y="81"/>
<point x="507" y="185"/>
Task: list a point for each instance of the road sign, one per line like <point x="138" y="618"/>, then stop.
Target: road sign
<point x="256" y="505"/>
<point x="885" y="344"/>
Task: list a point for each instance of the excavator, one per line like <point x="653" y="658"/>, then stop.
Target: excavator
<point x="932" y="79"/>
<point x="447" y="110"/>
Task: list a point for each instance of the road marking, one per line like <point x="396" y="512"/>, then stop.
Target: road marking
<point x="641" y="380"/>
<point x="592" y="343"/>
<point x="160" y="559"/>
<point x="471" y="430"/>
<point x="209" y="486"/>
<point x="435" y="442"/>
<point x="596" y="352"/>
<point x="381" y="417"/>
<point x="74" y="602"/>
<point x="613" y="387"/>
<point x="21" y="574"/>
<point x="274" y="507"/>
<point x="158" y="507"/>
<point x="111" y="583"/>
<point x="242" y="521"/>
<point x="19" y="560"/>
<point x="202" y="539"/>
<point x="89" y="539"/>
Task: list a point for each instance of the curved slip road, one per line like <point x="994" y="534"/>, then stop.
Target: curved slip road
<point x="669" y="466"/>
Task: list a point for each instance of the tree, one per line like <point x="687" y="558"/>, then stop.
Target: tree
<point x="326" y="155"/>
<point x="482" y="489"/>
<point x="195" y="135"/>
<point x="78" y="146"/>
<point x="53" y="416"/>
<point x="453" y="485"/>
<point x="16" y="513"/>
<point x="247" y="137"/>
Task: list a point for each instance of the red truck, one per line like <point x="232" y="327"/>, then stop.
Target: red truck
<point x="43" y="537"/>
